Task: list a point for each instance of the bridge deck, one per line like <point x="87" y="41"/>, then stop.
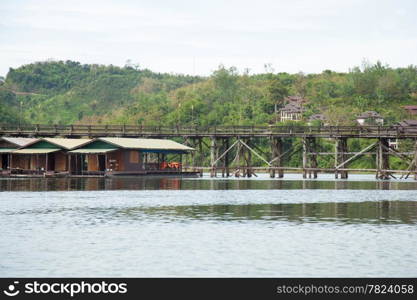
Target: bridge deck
<point x="213" y="131"/>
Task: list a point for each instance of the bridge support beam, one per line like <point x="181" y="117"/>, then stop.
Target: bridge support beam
<point x="225" y="159"/>
<point x="248" y="159"/>
<point x="313" y="157"/>
<point x="340" y="156"/>
<point x="309" y="157"/>
<point x="276" y="159"/>
<point x="382" y="159"/>
<point x="214" y="151"/>
<point x="415" y="160"/>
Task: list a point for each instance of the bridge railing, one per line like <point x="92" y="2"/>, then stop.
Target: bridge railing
<point x="95" y="130"/>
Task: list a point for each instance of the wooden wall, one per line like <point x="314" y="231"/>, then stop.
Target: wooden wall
<point x="115" y="160"/>
<point x="92" y="162"/>
<point x="20" y="161"/>
<point x="61" y="161"/>
<point x="37" y="161"/>
<point x="124" y="160"/>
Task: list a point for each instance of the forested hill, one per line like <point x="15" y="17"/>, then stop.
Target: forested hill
<point x="69" y="92"/>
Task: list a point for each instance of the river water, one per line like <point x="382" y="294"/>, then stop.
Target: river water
<point x="153" y="227"/>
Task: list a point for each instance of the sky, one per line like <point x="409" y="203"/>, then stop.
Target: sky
<point x="195" y="37"/>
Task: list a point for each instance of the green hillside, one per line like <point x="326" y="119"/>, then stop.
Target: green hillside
<point x="69" y="92"/>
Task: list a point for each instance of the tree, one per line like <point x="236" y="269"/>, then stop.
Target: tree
<point x="277" y="92"/>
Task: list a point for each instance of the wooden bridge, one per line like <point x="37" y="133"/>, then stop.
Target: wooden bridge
<point x="212" y="131"/>
<point x="243" y="143"/>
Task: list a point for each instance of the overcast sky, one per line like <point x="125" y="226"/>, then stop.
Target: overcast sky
<point x="195" y="37"/>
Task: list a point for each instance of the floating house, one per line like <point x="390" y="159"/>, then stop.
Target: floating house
<point x="7" y="146"/>
<point x="45" y="155"/>
<point x="127" y="156"/>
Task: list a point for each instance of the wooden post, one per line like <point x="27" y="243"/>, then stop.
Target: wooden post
<point x="213" y="151"/>
<point x="305" y="150"/>
<point x="415" y="161"/>
<point x="382" y="159"/>
<point x="276" y="151"/>
<point x="69" y="164"/>
<point x="223" y="159"/>
<point x="238" y="152"/>
<point x="200" y="150"/>
<point x="344" y="150"/>
<point x="336" y="157"/>
<point x="341" y="150"/>
<point x="226" y="157"/>
<point x="313" y="156"/>
<point x="248" y="160"/>
<point x="193" y="153"/>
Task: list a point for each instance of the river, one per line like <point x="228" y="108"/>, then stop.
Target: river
<point x="172" y="227"/>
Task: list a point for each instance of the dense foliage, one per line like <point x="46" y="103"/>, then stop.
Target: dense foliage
<point x="69" y="92"/>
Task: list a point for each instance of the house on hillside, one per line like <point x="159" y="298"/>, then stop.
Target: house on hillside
<point x="291" y="112"/>
<point x="7" y="146"/>
<point x="298" y="100"/>
<point x="411" y="109"/>
<point x="370" y="118"/>
<point x="405" y="126"/>
<point x="317" y="117"/>
<point x="127" y="156"/>
<point x="293" y="109"/>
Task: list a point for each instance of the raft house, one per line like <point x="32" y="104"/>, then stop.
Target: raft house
<point x="129" y="156"/>
<point x="54" y="157"/>
<point x="7" y="146"/>
<point x="44" y="156"/>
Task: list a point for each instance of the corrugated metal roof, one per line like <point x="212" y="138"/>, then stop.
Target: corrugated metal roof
<point x="19" y="141"/>
<point x="67" y="143"/>
<point x="34" y="151"/>
<point x="91" y="151"/>
<point x="132" y="143"/>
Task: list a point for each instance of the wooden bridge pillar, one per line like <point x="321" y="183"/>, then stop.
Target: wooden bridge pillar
<point x="309" y="157"/>
<point x="213" y="157"/>
<point x="382" y="159"/>
<point x="313" y="156"/>
<point x="305" y="156"/>
<point x="248" y="159"/>
<point x="340" y="156"/>
<point x="225" y="160"/>
<point x="276" y="157"/>
<point x="415" y="160"/>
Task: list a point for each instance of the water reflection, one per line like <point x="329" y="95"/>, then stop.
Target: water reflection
<point x="384" y="212"/>
<point x="160" y="183"/>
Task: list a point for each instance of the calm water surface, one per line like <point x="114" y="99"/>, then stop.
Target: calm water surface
<point x="208" y="227"/>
